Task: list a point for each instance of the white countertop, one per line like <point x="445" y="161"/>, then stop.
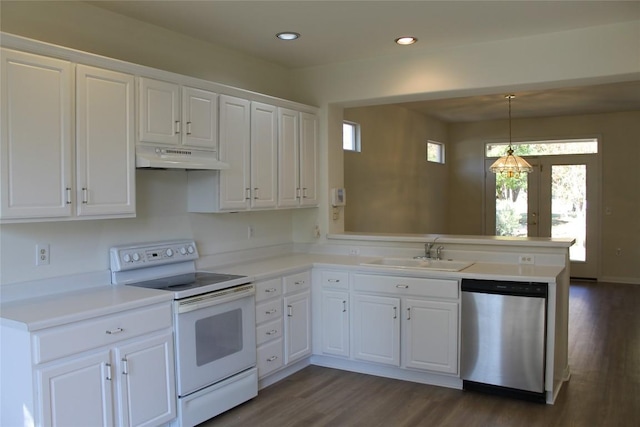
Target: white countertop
<point x="59" y="309"/>
<point x="271" y="267"/>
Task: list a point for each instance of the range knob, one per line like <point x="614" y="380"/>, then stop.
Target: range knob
<point x="190" y="249"/>
<point x="169" y="252"/>
<point x="136" y="256"/>
<point x="126" y="258"/>
<point x="183" y="250"/>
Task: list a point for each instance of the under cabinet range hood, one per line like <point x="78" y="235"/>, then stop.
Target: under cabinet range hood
<point x="170" y="157"/>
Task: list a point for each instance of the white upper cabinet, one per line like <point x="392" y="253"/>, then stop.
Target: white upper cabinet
<point x="177" y="115"/>
<point x="36" y="136"/>
<point x="248" y="144"/>
<point x="264" y="152"/>
<point x="297" y="158"/>
<point x="40" y="178"/>
<point x="105" y="142"/>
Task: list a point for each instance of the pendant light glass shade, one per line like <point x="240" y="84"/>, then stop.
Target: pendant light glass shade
<point x="510" y="165"/>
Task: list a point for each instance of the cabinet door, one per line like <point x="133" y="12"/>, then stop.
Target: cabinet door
<point x="159" y="112"/>
<point x="35" y="150"/>
<point x="105" y="146"/>
<point x="147" y="392"/>
<point x="297" y="326"/>
<point x="430" y="335"/>
<point x="264" y="152"/>
<point x="235" y="122"/>
<point x="335" y="323"/>
<point x="288" y="157"/>
<point x="308" y="159"/>
<point x="376" y="329"/>
<point x="78" y="392"/>
<point x="200" y="117"/>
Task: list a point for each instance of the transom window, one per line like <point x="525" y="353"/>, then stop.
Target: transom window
<point x="545" y="148"/>
<point x="435" y="152"/>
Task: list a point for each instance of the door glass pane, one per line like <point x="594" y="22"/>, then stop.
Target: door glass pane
<point x="218" y="336"/>
<point x="511" y="205"/>
<point x="569" y="206"/>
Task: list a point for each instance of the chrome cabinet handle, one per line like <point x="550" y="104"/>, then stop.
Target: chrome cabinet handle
<point x="304" y="193"/>
<point x="85" y="195"/>
<point x="408" y="313"/>
<point x="334" y="280"/>
<point x="188" y="128"/>
<point x="402" y="286"/>
<point x="68" y="190"/>
<point x="344" y="306"/>
<point x="177" y="127"/>
<point x="270" y="290"/>
<point x="272" y="358"/>
<point x="395" y="312"/>
<point x="114" y="331"/>
<point x="247" y="195"/>
<point x="255" y="193"/>
<point x="298" y="193"/>
<point x="299" y="282"/>
<point x="272" y="311"/>
<point x="107" y="371"/>
<point x="272" y="332"/>
<point x="290" y="308"/>
<point x="125" y="367"/>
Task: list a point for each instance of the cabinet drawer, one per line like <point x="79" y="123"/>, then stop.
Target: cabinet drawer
<point x="269" y="357"/>
<point x="335" y="279"/>
<point x="268" y="289"/>
<point x="269" y="331"/>
<point x="296" y="282"/>
<point x="268" y="310"/>
<point x="72" y="339"/>
<point x="438" y="288"/>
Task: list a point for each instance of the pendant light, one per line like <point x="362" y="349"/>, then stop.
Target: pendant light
<point x="510" y="165"/>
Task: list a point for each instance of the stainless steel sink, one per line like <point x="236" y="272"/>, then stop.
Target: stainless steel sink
<point x="420" y="264"/>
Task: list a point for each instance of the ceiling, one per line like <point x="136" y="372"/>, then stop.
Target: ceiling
<point x="339" y="31"/>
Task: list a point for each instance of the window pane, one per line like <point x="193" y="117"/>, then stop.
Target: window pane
<point x="569" y="206"/>
<point x="350" y="136"/>
<point x="545" y="148"/>
<point x="512" y="206"/>
<point x="435" y="152"/>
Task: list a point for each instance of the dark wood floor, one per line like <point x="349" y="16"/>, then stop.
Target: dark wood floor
<point x="604" y="390"/>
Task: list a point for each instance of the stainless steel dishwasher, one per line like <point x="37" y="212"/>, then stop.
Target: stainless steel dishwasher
<point x="503" y="336"/>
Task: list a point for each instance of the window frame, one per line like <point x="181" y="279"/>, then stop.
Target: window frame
<point x="441" y="152"/>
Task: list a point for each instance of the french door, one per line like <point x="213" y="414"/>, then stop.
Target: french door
<point x="559" y="199"/>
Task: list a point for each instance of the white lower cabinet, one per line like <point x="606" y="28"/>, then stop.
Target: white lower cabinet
<point x="406" y="322"/>
<point x="283" y="321"/>
<point x="115" y="370"/>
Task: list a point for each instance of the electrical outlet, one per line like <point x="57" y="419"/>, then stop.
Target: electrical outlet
<point x="42" y="254"/>
<point x="354" y="251"/>
<point x="316" y="231"/>
<point x="618" y="251"/>
<point x="526" y="259"/>
<point x="251" y="232"/>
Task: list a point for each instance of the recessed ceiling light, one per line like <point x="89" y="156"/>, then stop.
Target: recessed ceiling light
<point x="287" y="35"/>
<point x="406" y="40"/>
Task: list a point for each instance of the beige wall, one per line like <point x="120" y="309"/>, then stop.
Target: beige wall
<point x="391" y="188"/>
<point x="88" y="28"/>
<point x="620" y="178"/>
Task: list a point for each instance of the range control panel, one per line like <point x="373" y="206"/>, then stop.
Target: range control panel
<point x="130" y="257"/>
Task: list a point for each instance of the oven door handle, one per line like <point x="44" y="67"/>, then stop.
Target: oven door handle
<point x="214" y="298"/>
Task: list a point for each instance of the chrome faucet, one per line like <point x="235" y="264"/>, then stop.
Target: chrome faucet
<point x="427" y="249"/>
<point x="439" y="252"/>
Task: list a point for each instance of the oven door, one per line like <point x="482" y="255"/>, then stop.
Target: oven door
<point x="215" y="337"/>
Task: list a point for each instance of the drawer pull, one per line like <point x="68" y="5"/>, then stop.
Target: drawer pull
<point x="334" y="280"/>
<point x="272" y="332"/>
<point x="290" y="308"/>
<point x="402" y="286"/>
<point x="107" y="371"/>
<point x="270" y="290"/>
<point x="344" y="306"/>
<point x="272" y="358"/>
<point x="115" y="331"/>
<point x="299" y="282"/>
<point x="272" y="311"/>
<point x="408" y="313"/>
<point x="125" y="367"/>
<point x="395" y="312"/>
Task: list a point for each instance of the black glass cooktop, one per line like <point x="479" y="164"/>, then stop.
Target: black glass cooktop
<point x="187" y="281"/>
